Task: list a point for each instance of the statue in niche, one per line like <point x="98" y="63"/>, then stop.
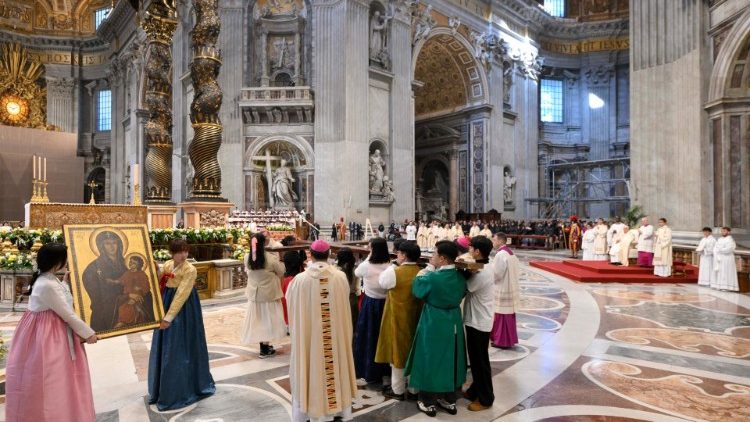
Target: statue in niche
<point x="283" y="191"/>
<point x="282" y="48"/>
<point x="509" y="183"/>
<point x="507" y="80"/>
<point x="388" y="193"/>
<point x="439" y="184"/>
<point x="379" y="39"/>
<point x="377" y="171"/>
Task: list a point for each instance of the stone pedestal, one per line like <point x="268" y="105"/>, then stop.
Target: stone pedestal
<point x="206" y="214"/>
<point x="224" y="269"/>
<point x="162" y="216"/>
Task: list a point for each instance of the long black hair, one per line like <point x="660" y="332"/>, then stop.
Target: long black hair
<point x="256" y="258"/>
<point x="345" y="260"/>
<point x="48" y="258"/>
<point x="379" y="251"/>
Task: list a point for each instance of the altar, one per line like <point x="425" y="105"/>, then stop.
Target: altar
<point x="53" y="216"/>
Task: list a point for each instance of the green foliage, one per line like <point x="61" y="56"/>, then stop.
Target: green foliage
<point x="634" y="215"/>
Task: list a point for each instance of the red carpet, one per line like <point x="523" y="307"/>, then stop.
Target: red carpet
<point x="604" y="272"/>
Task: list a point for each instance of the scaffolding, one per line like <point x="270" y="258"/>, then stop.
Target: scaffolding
<point x="593" y="188"/>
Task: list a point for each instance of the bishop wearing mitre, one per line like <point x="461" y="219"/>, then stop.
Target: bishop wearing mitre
<point x="600" y="241"/>
<point x="663" y="250"/>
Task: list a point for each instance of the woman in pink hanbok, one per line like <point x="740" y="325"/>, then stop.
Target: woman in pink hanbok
<point x="47" y="374"/>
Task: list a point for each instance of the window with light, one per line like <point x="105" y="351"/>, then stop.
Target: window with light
<point x="104" y="111"/>
<point x="555" y="8"/>
<point x="551" y="101"/>
<point x="100" y="15"/>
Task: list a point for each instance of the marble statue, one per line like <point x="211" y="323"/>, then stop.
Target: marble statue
<point x="283" y="192"/>
<point x="423" y="23"/>
<point x="439" y="185"/>
<point x="282" y="52"/>
<point x="453" y="24"/>
<point x="377" y="171"/>
<point x="388" y="193"/>
<point x="378" y="27"/>
<point x="509" y="183"/>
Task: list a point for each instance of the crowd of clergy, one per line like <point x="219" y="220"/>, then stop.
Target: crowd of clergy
<point x="651" y="247"/>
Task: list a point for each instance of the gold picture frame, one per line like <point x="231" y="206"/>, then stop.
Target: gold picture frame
<point x="113" y="277"/>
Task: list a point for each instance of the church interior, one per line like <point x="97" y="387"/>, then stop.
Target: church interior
<point x="605" y="142"/>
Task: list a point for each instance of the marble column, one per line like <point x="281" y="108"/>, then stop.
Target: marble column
<point x="500" y="152"/>
<point x="402" y="119"/>
<point x="453" y="199"/>
<point x="61" y="102"/>
<point x="340" y="41"/>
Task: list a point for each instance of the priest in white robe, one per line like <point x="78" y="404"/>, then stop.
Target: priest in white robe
<point x="600" y="241"/>
<point x="645" y="244"/>
<point x="411" y="231"/>
<point x="624" y="246"/>
<point x="422" y="235"/>
<point x="705" y="250"/>
<point x="321" y="369"/>
<point x="663" y="250"/>
<point x="725" y="269"/>
<point x="474" y="231"/>
<point x="587" y="243"/>
<point x="613" y="238"/>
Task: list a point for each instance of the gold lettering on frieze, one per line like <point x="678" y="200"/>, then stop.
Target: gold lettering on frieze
<point x="51" y="57"/>
<point x="586" y="46"/>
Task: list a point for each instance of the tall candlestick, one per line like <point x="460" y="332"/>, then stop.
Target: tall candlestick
<point x="33" y="162"/>
<point x="39" y="167"/>
<point x="45" y="169"/>
<point x="136" y="174"/>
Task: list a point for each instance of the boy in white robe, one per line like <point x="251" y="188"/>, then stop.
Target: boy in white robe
<point x="663" y="250"/>
<point x="725" y="269"/>
<point x="587" y="243"/>
<point x="706" y="251"/>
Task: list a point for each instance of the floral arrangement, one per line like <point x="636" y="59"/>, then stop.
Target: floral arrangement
<point x="162" y="255"/>
<point x="280" y="228"/>
<point x="19" y="261"/>
<point x="192" y="236"/>
<point x="3" y="348"/>
<point x="23" y="239"/>
<point x="240" y="252"/>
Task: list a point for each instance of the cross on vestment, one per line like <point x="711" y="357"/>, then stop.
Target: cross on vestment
<point x="267" y="158"/>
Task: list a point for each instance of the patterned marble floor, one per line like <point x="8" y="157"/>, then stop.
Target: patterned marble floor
<point x="590" y="352"/>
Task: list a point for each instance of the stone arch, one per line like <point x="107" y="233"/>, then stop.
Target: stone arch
<point x="736" y="43"/>
<point x="445" y="56"/>
<point x="257" y="147"/>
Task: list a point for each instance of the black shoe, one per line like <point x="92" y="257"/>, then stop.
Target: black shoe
<point x="267" y="354"/>
<point x="389" y="394"/>
<point x="411" y="397"/>
<point x="430" y="411"/>
<point x="448" y="407"/>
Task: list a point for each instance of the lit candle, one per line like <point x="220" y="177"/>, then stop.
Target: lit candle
<point x="33" y="162"/>
<point x="136" y="174"/>
<point x="39" y="168"/>
<point x="44" y="177"/>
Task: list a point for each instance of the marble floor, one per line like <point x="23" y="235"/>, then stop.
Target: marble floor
<point x="588" y="352"/>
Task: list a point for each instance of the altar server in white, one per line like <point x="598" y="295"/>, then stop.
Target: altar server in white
<point x="587" y="243"/>
<point x="706" y="251"/>
<point x="725" y="269"/>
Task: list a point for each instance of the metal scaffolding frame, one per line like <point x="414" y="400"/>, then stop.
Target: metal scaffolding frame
<point x="586" y="185"/>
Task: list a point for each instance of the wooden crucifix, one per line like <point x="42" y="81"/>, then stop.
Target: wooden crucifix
<point x="267" y="158"/>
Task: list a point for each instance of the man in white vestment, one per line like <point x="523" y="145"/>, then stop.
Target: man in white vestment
<point x="600" y="241"/>
<point x="725" y="269"/>
<point x="663" y="250"/>
<point x="587" y="243"/>
<point x="321" y="369"/>
<point x="474" y="231"/>
<point x="613" y="238"/>
<point x="625" y="245"/>
<point x="506" y="269"/>
<point x="422" y="235"/>
<point x="706" y="251"/>
<point x="411" y="231"/>
<point x="645" y="244"/>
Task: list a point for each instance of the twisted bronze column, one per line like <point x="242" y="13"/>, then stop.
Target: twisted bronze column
<point x="159" y="23"/>
<point x="204" y="111"/>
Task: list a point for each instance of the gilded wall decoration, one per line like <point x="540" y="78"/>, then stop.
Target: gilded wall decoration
<point x="50" y="17"/>
<point x="591" y="10"/>
<point x="204" y="111"/>
<point x="54" y="215"/>
<point x="23" y="96"/>
<point x="444" y="85"/>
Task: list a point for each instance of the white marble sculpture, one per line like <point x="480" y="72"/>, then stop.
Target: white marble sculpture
<point x="377" y="171"/>
<point x="388" y="193"/>
<point x="509" y="183"/>
<point x="423" y="23"/>
<point x="283" y="191"/>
